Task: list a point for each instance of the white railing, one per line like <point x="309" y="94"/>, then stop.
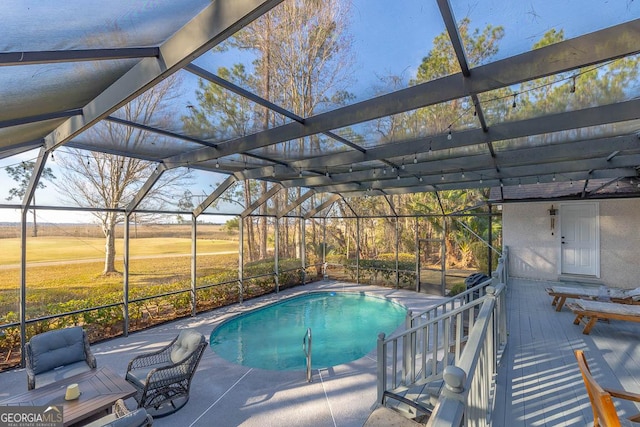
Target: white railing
<point x="466" y="398"/>
<point x="450" y="354"/>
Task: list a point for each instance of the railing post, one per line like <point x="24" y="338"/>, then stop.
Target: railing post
<point x="407" y="353"/>
<point x="451" y="408"/>
<point x="408" y="324"/>
<point x="382" y="372"/>
<point x="454" y="379"/>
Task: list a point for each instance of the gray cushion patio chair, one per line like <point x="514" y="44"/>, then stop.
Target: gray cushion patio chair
<point x="58" y="354"/>
<point x="163" y="377"/>
<point x="121" y="416"/>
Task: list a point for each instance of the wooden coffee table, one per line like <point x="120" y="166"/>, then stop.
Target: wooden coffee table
<point x="99" y="389"/>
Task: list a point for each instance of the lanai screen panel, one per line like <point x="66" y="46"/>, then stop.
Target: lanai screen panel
<point x="525" y="23"/>
<point x="19" y="164"/>
<point x="10" y="302"/>
<point x="123" y="140"/>
<point x="157" y="235"/>
<point x="18" y="139"/>
<point x="230" y="203"/>
<point x="596" y="85"/>
<point x="302" y="148"/>
<point x="216" y="114"/>
<point x="94" y="180"/>
<point x="377" y="29"/>
<point x="65" y="261"/>
<point x="315" y="201"/>
<point x="283" y="58"/>
<point x="35" y="89"/>
<point x="31" y="87"/>
<point x="91" y="24"/>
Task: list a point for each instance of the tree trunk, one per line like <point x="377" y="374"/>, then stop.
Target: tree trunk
<point x="248" y="222"/>
<point x="262" y="222"/>
<point x="109" y="230"/>
<point x="35" y="224"/>
<point x="262" y="225"/>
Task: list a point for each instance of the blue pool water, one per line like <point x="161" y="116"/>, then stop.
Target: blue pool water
<point x="344" y="327"/>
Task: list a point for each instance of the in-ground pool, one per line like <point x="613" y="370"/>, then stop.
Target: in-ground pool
<point x="344" y="327"/>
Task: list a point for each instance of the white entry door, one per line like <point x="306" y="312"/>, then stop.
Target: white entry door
<point x="580" y="239"/>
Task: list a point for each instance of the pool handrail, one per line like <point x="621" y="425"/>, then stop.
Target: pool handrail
<point x="306" y="348"/>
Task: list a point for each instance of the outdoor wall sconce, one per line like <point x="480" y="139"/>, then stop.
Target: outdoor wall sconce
<point x="552" y="213"/>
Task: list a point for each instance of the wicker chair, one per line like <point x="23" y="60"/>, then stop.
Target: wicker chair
<point x="163" y="377"/>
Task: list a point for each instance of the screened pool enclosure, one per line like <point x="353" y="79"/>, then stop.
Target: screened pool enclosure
<point x="162" y="158"/>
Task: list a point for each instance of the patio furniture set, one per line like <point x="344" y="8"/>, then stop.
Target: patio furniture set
<point x="591" y="304"/>
<point x="61" y="370"/>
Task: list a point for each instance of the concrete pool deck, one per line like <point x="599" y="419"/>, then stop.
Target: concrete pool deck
<point x="225" y="394"/>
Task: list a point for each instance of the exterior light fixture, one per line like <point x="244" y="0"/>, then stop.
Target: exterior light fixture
<point x="552" y="214"/>
<point x="572" y="89"/>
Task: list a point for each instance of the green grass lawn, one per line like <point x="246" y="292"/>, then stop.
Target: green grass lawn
<point x="151" y="264"/>
<point x="48" y="249"/>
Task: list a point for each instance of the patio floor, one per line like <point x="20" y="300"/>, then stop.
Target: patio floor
<point x="226" y="394"/>
<point x="539" y="383"/>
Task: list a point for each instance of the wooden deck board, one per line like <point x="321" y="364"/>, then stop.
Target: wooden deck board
<point x="539" y="383"/>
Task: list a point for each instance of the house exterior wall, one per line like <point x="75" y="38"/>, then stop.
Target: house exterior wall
<point x="534" y="253"/>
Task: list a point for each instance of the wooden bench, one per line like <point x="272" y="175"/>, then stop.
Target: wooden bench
<point x="620" y="296"/>
<point x="596" y="310"/>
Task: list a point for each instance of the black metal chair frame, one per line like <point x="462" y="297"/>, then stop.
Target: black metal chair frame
<point x="167" y="382"/>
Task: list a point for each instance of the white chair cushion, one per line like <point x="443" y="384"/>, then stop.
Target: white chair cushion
<point x="186" y="343"/>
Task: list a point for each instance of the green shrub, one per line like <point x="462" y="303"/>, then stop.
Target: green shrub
<point x="457" y="289"/>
